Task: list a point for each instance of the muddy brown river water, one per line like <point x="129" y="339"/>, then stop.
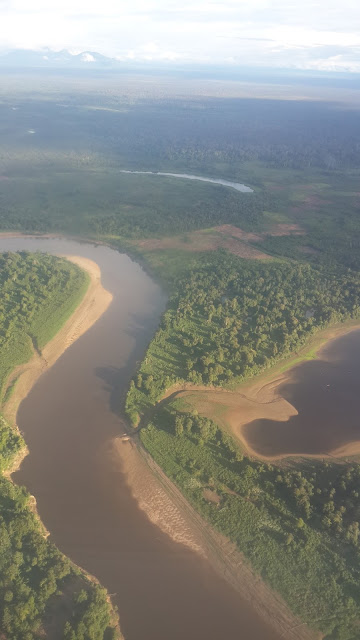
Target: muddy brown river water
<point x="163" y="590"/>
<point x="326" y="394"/>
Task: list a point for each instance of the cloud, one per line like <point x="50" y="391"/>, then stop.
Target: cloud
<point x="260" y="32"/>
<point x="87" y="57"/>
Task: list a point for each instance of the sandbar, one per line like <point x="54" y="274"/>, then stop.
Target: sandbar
<point x="94" y="303"/>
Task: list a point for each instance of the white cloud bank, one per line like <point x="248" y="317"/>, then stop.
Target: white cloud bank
<point x="322" y="34"/>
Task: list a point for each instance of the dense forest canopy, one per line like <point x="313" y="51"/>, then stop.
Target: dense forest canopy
<point x="38" y="293"/>
<point x="227" y="319"/>
<point x="190" y="132"/>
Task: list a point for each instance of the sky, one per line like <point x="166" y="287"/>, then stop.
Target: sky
<point x="303" y="34"/>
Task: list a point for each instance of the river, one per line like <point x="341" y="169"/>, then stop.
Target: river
<point x="326" y="394"/>
<point x="163" y="590"/>
<point x="186" y="176"/>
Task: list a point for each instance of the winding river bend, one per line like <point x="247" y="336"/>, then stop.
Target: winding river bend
<point x="164" y="591"/>
<point x="238" y="186"/>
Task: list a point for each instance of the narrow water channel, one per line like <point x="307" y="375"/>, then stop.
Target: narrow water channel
<point x="238" y="186"/>
<point x="163" y="590"/>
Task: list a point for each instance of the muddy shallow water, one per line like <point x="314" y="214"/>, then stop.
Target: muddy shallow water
<point x="164" y="591"/>
<point x="326" y="394"/>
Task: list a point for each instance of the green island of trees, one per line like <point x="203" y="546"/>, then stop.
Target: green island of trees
<point x="39" y="587"/>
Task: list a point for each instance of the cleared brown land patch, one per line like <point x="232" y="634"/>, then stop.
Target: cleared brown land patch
<point x="225" y="236"/>
<point x="308" y="250"/>
<point x="207" y="241"/>
<point x="284" y="229"/>
<point x="242" y="249"/>
<point x="279" y="229"/>
<point x="236" y="232"/>
<point x="197" y="241"/>
<point x="211" y="496"/>
<point x="311" y="202"/>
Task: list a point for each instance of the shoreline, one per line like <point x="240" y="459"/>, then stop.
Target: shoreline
<point x="259" y="397"/>
<point x="218" y="551"/>
<point x="164" y="504"/>
<point x="265" y="391"/>
<point x="94" y="303"/>
<point x="92" y="306"/>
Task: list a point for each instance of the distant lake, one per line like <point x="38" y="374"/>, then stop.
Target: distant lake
<point x="225" y="183"/>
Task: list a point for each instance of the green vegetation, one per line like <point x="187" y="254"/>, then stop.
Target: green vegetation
<point x="39" y="293"/>
<point x="302" y="159"/>
<point x="228" y="319"/>
<point x="38" y="585"/>
<point x="37" y="582"/>
<point x="11" y="444"/>
<point x="298" y="525"/>
<point x="101" y="202"/>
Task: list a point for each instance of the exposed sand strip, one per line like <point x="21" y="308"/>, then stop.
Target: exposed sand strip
<point x="166" y="507"/>
<point x="231" y="411"/>
<point x="152" y="497"/>
<point x="94" y="303"/>
<point x="260" y="398"/>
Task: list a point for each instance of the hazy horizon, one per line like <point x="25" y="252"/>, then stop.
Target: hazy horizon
<point x="277" y="34"/>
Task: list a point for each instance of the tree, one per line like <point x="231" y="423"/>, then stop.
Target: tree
<point x="179" y="426"/>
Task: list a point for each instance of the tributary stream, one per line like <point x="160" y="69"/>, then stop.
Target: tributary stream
<point x="238" y="186"/>
<point x="163" y="590"/>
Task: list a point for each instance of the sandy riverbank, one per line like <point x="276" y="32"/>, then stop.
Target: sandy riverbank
<point x="152" y="497"/>
<point x="94" y="303"/>
<point x="261" y="397"/>
<point x="166" y="507"/>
